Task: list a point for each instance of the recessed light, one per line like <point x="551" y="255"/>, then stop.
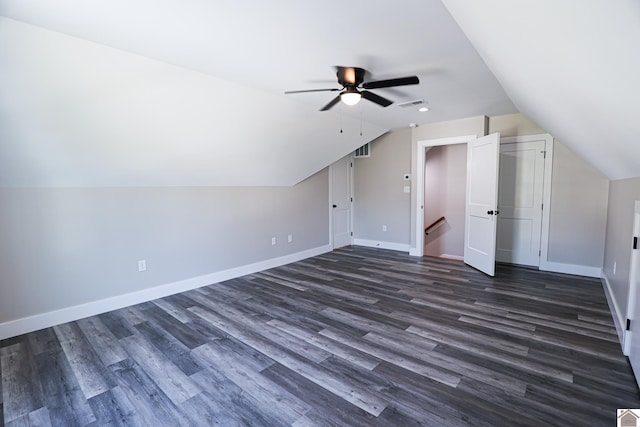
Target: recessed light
<point x="423" y="109"/>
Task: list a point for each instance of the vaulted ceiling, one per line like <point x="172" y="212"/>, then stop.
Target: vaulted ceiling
<point x="146" y="93"/>
<point x="572" y="66"/>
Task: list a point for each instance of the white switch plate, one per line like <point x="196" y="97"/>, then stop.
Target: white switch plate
<point x="142" y="265"/>
<point x="407" y="189"/>
<point x="384" y="228"/>
<point x="290" y="238"/>
<point x="273" y="241"/>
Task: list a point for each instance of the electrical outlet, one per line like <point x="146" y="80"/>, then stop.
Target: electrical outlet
<point x="290" y="238"/>
<point x="384" y="228"/>
<point x="142" y="265"/>
<point x="273" y="241"/>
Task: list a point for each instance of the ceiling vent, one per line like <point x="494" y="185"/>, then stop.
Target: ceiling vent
<point x="410" y="103"/>
<point x="362" y="151"/>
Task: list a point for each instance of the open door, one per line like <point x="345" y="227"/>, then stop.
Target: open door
<point x="482" y="203"/>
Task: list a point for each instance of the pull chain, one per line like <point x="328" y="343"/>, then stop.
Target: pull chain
<point x="361" y="108"/>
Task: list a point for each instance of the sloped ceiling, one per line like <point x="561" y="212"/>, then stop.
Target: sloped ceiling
<point x="147" y="93"/>
<point x="572" y="66"/>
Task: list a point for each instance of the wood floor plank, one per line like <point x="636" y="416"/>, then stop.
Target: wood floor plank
<point x="271" y="398"/>
<point x="169" y="378"/>
<point x="151" y="404"/>
<point x="94" y="378"/>
<point x="340" y="386"/>
<point x="21" y="387"/>
<point x="62" y="394"/>
<point x="103" y="342"/>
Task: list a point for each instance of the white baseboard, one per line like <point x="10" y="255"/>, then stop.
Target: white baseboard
<point x="578" y="270"/>
<point x="617" y="314"/>
<point x="453" y="257"/>
<point x="45" y="320"/>
<point x="402" y="247"/>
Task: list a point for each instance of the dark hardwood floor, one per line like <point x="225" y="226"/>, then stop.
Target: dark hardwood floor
<point x="357" y="337"/>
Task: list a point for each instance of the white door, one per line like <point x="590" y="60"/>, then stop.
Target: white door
<point x="520" y="194"/>
<point x="633" y="311"/>
<point x="341" y="201"/>
<point x="482" y="203"/>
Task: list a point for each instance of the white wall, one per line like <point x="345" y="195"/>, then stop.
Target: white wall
<point x="445" y="189"/>
<point x="64" y="247"/>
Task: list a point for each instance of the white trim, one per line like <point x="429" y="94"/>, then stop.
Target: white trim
<point x="402" y="247"/>
<point x="420" y="153"/>
<point x="576" y="270"/>
<point x="351" y="193"/>
<point x="616" y="314"/>
<point x="544" y="265"/>
<point x="633" y="286"/>
<point x="45" y="320"/>
<point x="453" y="257"/>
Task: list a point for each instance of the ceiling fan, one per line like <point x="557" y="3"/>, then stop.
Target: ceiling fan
<point x="352" y="81"/>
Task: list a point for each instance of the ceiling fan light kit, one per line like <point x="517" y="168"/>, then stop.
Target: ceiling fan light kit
<point x="350" y="96"/>
<point x="352" y="81"/>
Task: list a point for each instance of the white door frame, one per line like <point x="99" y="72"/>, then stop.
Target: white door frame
<point x="421" y="149"/>
<point x="634" y="270"/>
<point x="351" y="159"/>
<point x="546" y="191"/>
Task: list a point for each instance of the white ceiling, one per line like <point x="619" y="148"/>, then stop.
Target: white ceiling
<point x="140" y="92"/>
<point x="190" y="92"/>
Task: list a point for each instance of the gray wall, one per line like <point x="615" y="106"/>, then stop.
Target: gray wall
<point x="444" y="195"/>
<point x="379" y="197"/>
<point x="67" y="246"/>
<point x="622" y="197"/>
<point x="577" y="223"/>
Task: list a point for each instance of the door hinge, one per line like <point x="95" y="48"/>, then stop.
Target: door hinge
<point x="541" y="206"/>
<point x="628" y="325"/>
<point x="352" y="200"/>
<point x="540" y="252"/>
<point x="635" y="242"/>
<point x="544" y="154"/>
<point x="352" y="234"/>
<point x="350" y="165"/>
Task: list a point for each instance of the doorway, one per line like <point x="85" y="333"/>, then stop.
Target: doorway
<point x="525" y="183"/>
<point x="341" y="202"/>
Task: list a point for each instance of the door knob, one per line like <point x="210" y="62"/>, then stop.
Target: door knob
<point x="335" y="206"/>
<point x="489" y="212"/>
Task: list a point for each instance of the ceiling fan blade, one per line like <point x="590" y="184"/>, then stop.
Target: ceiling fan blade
<point x="350" y="76"/>
<point x="376" y="98"/>
<point x="311" y="90"/>
<point x="333" y="102"/>
<point x="402" y="81"/>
